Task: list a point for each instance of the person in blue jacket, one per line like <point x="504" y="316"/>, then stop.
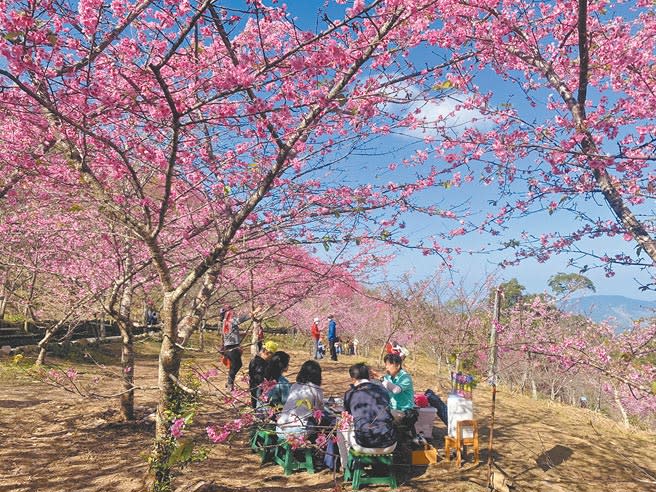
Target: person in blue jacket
<point x="332" y="336"/>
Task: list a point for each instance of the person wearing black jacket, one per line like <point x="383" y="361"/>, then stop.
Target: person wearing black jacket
<point x="257" y="368"/>
<point x="368" y="402"/>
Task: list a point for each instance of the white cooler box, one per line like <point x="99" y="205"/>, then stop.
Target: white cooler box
<point x="425" y="421"/>
<point x="459" y="409"/>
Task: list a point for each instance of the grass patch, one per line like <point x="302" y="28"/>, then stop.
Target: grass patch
<point x="85" y="354"/>
<point x="15" y="368"/>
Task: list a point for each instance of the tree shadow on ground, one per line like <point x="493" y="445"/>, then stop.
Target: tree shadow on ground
<point x="21" y="404"/>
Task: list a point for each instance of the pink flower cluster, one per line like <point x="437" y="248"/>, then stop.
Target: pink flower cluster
<point x="221" y="434"/>
<point x="204" y="376"/>
<point x="177" y="427"/>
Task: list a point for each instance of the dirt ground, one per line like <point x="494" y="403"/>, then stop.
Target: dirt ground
<point x="59" y="442"/>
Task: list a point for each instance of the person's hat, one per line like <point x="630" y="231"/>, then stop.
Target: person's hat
<point x="270" y="346"/>
<point x="316" y="320"/>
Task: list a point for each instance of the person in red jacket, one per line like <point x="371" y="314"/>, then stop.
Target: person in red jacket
<point x="316" y="336"/>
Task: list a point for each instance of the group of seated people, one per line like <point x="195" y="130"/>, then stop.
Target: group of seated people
<point x="382" y="408"/>
<point x="346" y="346"/>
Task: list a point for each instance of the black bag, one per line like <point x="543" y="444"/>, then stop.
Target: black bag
<point x="436" y="402"/>
<point x="331" y="458"/>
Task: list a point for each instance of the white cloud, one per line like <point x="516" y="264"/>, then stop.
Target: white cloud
<point x="436" y="115"/>
<point x="446" y="113"/>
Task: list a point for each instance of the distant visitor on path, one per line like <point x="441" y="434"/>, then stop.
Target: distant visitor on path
<point x="321" y="347"/>
<point x="151" y="317"/>
<point x="332" y="336"/>
<point x="231" y="340"/>
<point x="316" y="337"/>
<point x="258" y="326"/>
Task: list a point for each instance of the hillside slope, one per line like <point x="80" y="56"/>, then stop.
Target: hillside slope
<point x="52" y="440"/>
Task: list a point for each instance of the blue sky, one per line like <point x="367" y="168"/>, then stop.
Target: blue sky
<point x="533" y="275"/>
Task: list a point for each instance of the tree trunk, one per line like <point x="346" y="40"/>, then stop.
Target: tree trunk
<point x="169" y="365"/>
<point x="254" y="336"/>
<point x="523" y="380"/>
<point x="43" y="347"/>
<point x="534" y="388"/>
<point x="201" y="336"/>
<point x="28" y="304"/>
<point x="191" y="322"/>
<point x="3" y="300"/>
<point x="620" y="406"/>
<point x="599" y="392"/>
<point x="50" y="332"/>
<point x="127" y="366"/>
<point x="43" y="343"/>
<point x="127" y="353"/>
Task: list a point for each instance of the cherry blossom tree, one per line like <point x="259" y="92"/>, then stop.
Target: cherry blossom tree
<point x="193" y="125"/>
<point x="555" y="109"/>
<point x="559" y="353"/>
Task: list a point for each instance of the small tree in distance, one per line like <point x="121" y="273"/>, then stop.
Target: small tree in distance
<point x="566" y="284"/>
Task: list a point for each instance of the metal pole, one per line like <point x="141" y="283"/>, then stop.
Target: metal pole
<point x="492" y="378"/>
<point x="492" y="358"/>
<point x="489" y="447"/>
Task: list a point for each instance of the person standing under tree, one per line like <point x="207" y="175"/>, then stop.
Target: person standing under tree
<point x="316" y="336"/>
<point x="258" y="329"/>
<point x="231" y="341"/>
<point x="332" y="336"/>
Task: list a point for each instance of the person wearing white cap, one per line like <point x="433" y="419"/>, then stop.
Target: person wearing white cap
<point x="316" y="336"/>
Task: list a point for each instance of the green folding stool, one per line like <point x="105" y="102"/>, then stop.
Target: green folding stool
<point x="264" y="442"/>
<point x="285" y="456"/>
<point x="360" y="469"/>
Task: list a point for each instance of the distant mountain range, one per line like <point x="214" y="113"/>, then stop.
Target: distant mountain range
<point x="619" y="310"/>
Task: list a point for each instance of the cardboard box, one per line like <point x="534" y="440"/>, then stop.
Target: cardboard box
<point x="427" y="456"/>
<point x="425" y="421"/>
<point x="459" y="409"/>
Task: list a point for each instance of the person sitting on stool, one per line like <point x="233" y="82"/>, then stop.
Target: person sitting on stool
<point x="398" y="383"/>
<point x="373" y="429"/>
